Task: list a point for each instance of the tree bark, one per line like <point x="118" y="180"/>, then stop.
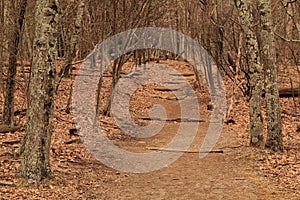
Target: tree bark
<point x="268" y="58"/>
<point x="2" y="41"/>
<point x="256" y="122"/>
<point x="8" y="111"/>
<point x="35" y="164"/>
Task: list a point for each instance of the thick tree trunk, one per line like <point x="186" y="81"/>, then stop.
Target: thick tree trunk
<point x="268" y="58"/>
<point x="8" y="112"/>
<point x="35" y="164"/>
<point x="256" y="122"/>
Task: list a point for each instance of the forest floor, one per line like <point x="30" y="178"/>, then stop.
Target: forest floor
<point x="232" y="171"/>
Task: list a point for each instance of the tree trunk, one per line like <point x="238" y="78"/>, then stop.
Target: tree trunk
<point x="35" y="164"/>
<point x="8" y="112"/>
<point x="66" y="68"/>
<point x="268" y="58"/>
<point x="2" y="41"/>
<point x="117" y="67"/>
<point x="256" y="122"/>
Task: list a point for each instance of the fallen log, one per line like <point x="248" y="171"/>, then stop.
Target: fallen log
<point x="6" y="183"/>
<point x="183" y="151"/>
<point x="12" y="142"/>
<point x="170" y="120"/>
<point x="9" y="129"/>
<point x="289" y="92"/>
<point x="77" y="140"/>
<point x="286" y="92"/>
<point x="18" y="112"/>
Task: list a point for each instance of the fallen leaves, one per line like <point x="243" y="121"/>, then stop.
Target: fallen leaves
<point x="79" y="175"/>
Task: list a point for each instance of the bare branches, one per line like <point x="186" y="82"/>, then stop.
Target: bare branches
<point x="285" y="39"/>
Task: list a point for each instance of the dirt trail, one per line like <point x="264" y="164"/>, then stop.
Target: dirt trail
<point x="227" y="175"/>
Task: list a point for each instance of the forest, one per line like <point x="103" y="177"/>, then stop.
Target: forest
<point x="148" y="99"/>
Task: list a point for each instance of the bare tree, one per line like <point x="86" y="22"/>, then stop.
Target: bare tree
<point x="67" y="66"/>
<point x="35" y="164"/>
<point x="247" y="23"/>
<point x="8" y="114"/>
<point x="2" y="42"/>
<point x="65" y="71"/>
<point x="268" y="58"/>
